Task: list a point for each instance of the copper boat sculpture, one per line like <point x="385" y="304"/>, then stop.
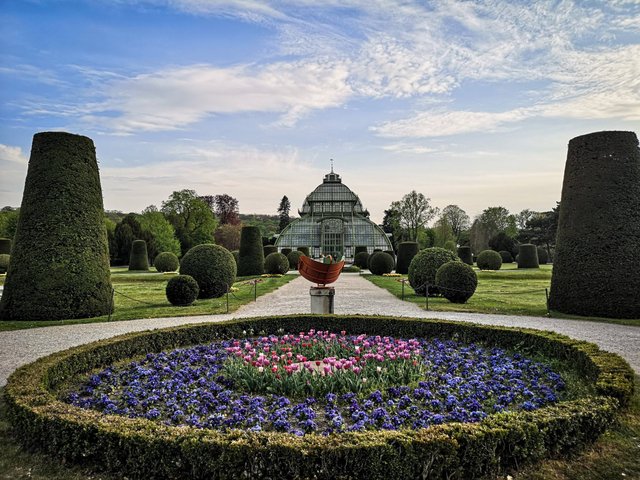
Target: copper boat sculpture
<point x="318" y="272"/>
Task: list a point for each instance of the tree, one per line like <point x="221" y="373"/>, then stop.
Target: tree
<point x="125" y="233"/>
<point x="443" y="232"/>
<point x="478" y="237"/>
<point x="523" y="217"/>
<point x="191" y="217"/>
<point x="226" y="209"/>
<point x="391" y="224"/>
<point x="163" y="235"/>
<point x="283" y="213"/>
<point x="9" y="222"/>
<point x="415" y="212"/>
<point x="498" y="219"/>
<point x="541" y="228"/>
<point x="457" y="218"/>
<point x="228" y="236"/>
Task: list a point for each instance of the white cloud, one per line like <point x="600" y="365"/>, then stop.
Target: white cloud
<point x="12" y="154"/>
<point x="409" y="148"/>
<point x="13" y="165"/>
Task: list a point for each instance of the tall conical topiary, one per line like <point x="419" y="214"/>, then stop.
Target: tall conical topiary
<point x="464" y="254"/>
<point x="5" y="246"/>
<point x="60" y="261"/>
<point x="406" y="252"/>
<point x="138" y="260"/>
<point x="251" y="257"/>
<point x="528" y="256"/>
<point x="595" y="264"/>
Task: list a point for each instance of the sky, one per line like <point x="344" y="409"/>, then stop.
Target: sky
<point x="468" y="102"/>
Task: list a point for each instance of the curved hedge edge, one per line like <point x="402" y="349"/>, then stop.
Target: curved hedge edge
<point x="145" y="449"/>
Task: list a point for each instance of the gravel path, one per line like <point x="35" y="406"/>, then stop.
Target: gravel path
<point x="353" y="295"/>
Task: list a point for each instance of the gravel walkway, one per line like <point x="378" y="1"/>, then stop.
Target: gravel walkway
<point x="353" y="295"/>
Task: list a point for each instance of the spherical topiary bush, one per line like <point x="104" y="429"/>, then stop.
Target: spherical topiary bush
<point x="506" y="256"/>
<point x="138" y="259"/>
<point x="268" y="250"/>
<point x="406" y="252"/>
<point x="4" y="262"/>
<point x="489" y="260"/>
<point x="236" y="256"/>
<point x="5" y="246"/>
<point x="212" y="266"/>
<point x="361" y="260"/>
<point x="528" y="256"/>
<point x="182" y="290"/>
<point x="166" y="262"/>
<point x="393" y="255"/>
<point x="294" y="258"/>
<point x="464" y="254"/>
<point x="285" y="251"/>
<point x="423" y="268"/>
<point x="543" y="256"/>
<point x="59" y="259"/>
<point x="456" y="281"/>
<point x="276" y="263"/>
<point x="360" y="248"/>
<point x="304" y="250"/>
<point x="376" y="250"/>
<point x="251" y="255"/>
<point x="380" y="263"/>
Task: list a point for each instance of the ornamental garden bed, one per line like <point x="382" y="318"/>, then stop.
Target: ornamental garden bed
<point x="286" y="397"/>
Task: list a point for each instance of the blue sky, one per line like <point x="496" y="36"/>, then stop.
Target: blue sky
<point x="468" y="102"/>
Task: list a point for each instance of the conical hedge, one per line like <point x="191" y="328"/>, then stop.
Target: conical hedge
<point x="251" y="257"/>
<point x="595" y="269"/>
<point x="5" y="246"/>
<point x="138" y="259"/>
<point x="528" y="256"/>
<point x="464" y="254"/>
<point x="406" y="252"/>
<point x="60" y="262"/>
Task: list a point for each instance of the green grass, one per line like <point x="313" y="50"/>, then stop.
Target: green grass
<point x="142" y="295"/>
<point x="509" y="290"/>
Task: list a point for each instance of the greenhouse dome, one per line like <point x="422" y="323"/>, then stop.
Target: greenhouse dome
<point x="333" y="222"/>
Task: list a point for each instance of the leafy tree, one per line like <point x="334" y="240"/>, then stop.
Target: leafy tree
<point x="161" y="233"/>
<point x="523" y="217"/>
<point x="268" y="224"/>
<point x="503" y="242"/>
<point x="125" y="233"/>
<point x="443" y="232"/>
<point x="457" y="219"/>
<point x="415" y="212"/>
<point x="283" y="213"/>
<point x="110" y="226"/>
<point x="226" y="209"/>
<point x="191" y="217"/>
<point x="498" y="219"/>
<point x="9" y="222"/>
<point x="478" y="237"/>
<point x="228" y="236"/>
<point x="391" y="224"/>
<point x="541" y="228"/>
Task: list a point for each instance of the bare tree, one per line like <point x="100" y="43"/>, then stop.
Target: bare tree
<point x="457" y="219"/>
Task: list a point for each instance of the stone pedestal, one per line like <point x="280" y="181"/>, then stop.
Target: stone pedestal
<point x="322" y="299"/>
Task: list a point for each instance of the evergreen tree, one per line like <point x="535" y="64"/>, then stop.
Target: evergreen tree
<point x="283" y="213"/>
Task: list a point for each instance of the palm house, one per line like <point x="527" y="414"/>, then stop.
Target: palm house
<point x="333" y="222"/>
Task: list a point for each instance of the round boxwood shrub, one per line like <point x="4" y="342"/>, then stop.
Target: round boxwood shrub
<point x="138" y="259"/>
<point x="360" y="248"/>
<point x="59" y="259"/>
<point x="285" y="251"/>
<point x="212" y="266"/>
<point x="182" y="290"/>
<point x="451" y="246"/>
<point x="423" y="268"/>
<point x="543" y="256"/>
<point x="456" y="281"/>
<point x="380" y="263"/>
<point x="528" y="256"/>
<point x="294" y="258"/>
<point x="251" y="254"/>
<point x="5" y="246"/>
<point x="236" y="256"/>
<point x="166" y="262"/>
<point x="489" y="260"/>
<point x="406" y="252"/>
<point x="506" y="256"/>
<point x="4" y="262"/>
<point x="276" y="263"/>
<point x="268" y="250"/>
<point x="361" y="260"/>
<point x="369" y="259"/>
<point x="304" y="250"/>
<point x="464" y="254"/>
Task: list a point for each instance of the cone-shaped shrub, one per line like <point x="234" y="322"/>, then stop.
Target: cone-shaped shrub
<point x="276" y="263"/>
<point x="212" y="266"/>
<point x="5" y="246"/>
<point x="381" y="263"/>
<point x="166" y="262"/>
<point x="251" y="255"/>
<point x="595" y="263"/>
<point x="304" y="250"/>
<point x="506" y="256"/>
<point x="60" y="261"/>
<point x="361" y="260"/>
<point x="489" y="260"/>
<point x="138" y="259"/>
<point x="294" y="258"/>
<point x="268" y="250"/>
<point x="285" y="251"/>
<point x="4" y="262"/>
<point x="406" y="252"/>
<point x="360" y="248"/>
<point x="456" y="281"/>
<point x="423" y="268"/>
<point x="464" y="254"/>
<point x="182" y="290"/>
<point x="528" y="256"/>
<point x="543" y="256"/>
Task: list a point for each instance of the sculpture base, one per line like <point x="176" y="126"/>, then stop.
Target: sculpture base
<point x="322" y="299"/>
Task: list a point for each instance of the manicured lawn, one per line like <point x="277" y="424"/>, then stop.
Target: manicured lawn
<point x="142" y="295"/>
<point x="509" y="290"/>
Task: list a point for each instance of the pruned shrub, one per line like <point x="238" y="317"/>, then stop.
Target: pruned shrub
<point x="236" y="256"/>
<point x="304" y="250"/>
<point x="423" y="268"/>
<point x="138" y="259"/>
<point x="360" y="248"/>
<point x="464" y="254"/>
<point x="212" y="266"/>
<point x="381" y="263"/>
<point x="506" y="256"/>
<point x="182" y="290"/>
<point x="166" y="262"/>
<point x="361" y="260"/>
<point x="294" y="258"/>
<point x="451" y="246"/>
<point x="268" y="250"/>
<point x="276" y="263"/>
<point x="5" y="246"/>
<point x="528" y="256"/>
<point x="489" y="260"/>
<point x="406" y="252"/>
<point x="543" y="256"/>
<point x="4" y="262"/>
<point x="456" y="281"/>
<point x="251" y="255"/>
<point x="502" y="241"/>
<point x="285" y="251"/>
<point x="59" y="259"/>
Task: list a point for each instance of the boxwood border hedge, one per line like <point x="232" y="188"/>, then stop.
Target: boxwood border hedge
<point x="142" y="448"/>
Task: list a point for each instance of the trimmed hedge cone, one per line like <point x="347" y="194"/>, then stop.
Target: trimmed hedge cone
<point x="4" y="262"/>
<point x="5" y="246"/>
<point x="138" y="260"/>
<point x="595" y="262"/>
<point x="212" y="266"/>
<point x="528" y="256"/>
<point x="251" y="255"/>
<point x="60" y="260"/>
<point x="464" y="254"/>
<point x="406" y="252"/>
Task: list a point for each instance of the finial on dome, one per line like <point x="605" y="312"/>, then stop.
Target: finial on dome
<point x="331" y="164"/>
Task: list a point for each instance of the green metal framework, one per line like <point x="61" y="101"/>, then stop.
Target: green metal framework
<point x="332" y="222"/>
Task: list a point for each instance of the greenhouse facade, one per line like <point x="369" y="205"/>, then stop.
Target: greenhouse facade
<point x="333" y="222"/>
